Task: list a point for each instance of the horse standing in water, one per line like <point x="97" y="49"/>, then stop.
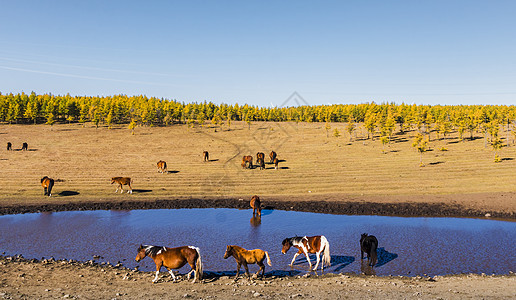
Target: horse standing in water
<point x="244" y="257"/>
<point x="47" y="183"/>
<point x="173" y="258"/>
<point x="312" y="244"/>
<point x="256" y="205"/>
<point x="368" y="245"/>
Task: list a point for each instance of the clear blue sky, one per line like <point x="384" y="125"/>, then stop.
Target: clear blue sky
<point x="260" y="52"/>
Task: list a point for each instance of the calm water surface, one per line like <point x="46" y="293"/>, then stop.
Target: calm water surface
<point x="407" y="246"/>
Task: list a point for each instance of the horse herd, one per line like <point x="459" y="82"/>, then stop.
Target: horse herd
<point x="247" y="162"/>
<point x="24" y="147"/>
<point x="175" y="258"/>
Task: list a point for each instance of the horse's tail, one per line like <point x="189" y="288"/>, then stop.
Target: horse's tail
<point x="268" y="258"/>
<point x="198" y="264"/>
<point x="326" y="255"/>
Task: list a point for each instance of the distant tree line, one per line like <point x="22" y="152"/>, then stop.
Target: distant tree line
<point x="382" y="119"/>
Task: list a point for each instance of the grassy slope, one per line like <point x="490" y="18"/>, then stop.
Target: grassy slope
<point x="86" y="158"/>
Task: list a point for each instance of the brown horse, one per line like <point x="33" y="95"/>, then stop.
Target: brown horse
<point x="260" y="155"/>
<point x="272" y="156"/>
<point x="9" y="146"/>
<point x="122" y="181"/>
<point x="173" y="258"/>
<point x="25" y="146"/>
<point x="205" y="156"/>
<point x="247" y="162"/>
<point x="244" y="257"/>
<point x="256" y="205"/>
<point x="312" y="244"/>
<point x="276" y="161"/>
<point x="261" y="164"/>
<point x="162" y="166"/>
<point x="47" y="183"/>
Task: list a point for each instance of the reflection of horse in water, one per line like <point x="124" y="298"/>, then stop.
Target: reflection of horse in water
<point x="244" y="257"/>
<point x="312" y="244"/>
<point x="368" y="245"/>
<point x="173" y="258"/>
<point x="256" y="221"/>
<point x="256" y="205"/>
<point x="47" y="183"/>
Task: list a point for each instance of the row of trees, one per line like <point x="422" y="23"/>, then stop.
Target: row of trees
<point x="380" y="119"/>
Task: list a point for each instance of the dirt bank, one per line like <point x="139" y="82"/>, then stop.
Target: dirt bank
<point x="24" y="279"/>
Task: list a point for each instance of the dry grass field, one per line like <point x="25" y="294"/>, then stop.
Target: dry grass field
<point x="312" y="165"/>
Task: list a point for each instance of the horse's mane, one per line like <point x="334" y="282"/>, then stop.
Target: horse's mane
<point x="152" y="250"/>
<point x="294" y="239"/>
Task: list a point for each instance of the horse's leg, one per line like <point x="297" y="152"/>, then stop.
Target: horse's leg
<point x="317" y="261"/>
<point x="158" y="267"/>
<point x="294" y="259"/>
<point x="130" y="191"/>
<point x="172" y="273"/>
<point x="308" y="259"/>
<point x="262" y="268"/>
<point x="238" y="270"/>
<point x="246" y="270"/>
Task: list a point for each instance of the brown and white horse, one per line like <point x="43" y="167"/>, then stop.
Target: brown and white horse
<point x="312" y="244"/>
<point x="162" y="166"/>
<point x="244" y="257"/>
<point x="173" y="258"/>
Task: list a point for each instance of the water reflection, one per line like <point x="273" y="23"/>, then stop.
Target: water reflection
<point x="256" y="221"/>
<point x="407" y="246"/>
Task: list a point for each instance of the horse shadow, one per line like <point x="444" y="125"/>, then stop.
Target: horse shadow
<point x="172" y="172"/>
<point x="68" y="193"/>
<point x="436" y="163"/>
<point x="210" y="160"/>
<point x="507" y="158"/>
<point x="140" y="191"/>
<point x="267" y="210"/>
<point x="341" y="261"/>
<point x="384" y="257"/>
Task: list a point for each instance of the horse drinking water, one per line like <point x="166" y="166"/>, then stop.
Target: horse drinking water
<point x="312" y="244"/>
<point x="244" y="257"/>
<point x="173" y="258"/>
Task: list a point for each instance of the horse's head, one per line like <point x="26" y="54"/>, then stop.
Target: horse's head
<point x="112" y="180"/>
<point x="286" y="246"/>
<point x="362" y="237"/>
<point x="141" y="253"/>
<point x="229" y="251"/>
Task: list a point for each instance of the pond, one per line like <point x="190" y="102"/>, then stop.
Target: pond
<point x="407" y="246"/>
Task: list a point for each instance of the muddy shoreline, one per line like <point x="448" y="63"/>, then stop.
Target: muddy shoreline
<point x="403" y="209"/>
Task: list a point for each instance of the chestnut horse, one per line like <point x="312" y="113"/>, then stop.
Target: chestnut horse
<point x="162" y="166"/>
<point x="261" y="164"/>
<point x="256" y="205"/>
<point x="122" y="181"/>
<point x="312" y="244"/>
<point x="368" y="245"/>
<point x="247" y="162"/>
<point x="47" y="183"/>
<point x="173" y="258"/>
<point x="260" y="155"/>
<point x="206" y="156"/>
<point x="244" y="257"/>
<point x="272" y="156"/>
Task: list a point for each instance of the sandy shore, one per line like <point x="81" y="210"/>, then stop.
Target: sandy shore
<point x="23" y="279"/>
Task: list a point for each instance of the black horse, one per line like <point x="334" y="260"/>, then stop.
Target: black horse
<point x="369" y="244"/>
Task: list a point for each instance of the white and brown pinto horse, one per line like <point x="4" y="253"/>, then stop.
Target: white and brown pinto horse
<point x="312" y="244"/>
<point x="173" y="258"/>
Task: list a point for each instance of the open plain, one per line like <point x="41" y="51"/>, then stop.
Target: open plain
<point x="319" y="173"/>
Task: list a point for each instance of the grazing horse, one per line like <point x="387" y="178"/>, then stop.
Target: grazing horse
<point x="122" y="181"/>
<point x="276" y="161"/>
<point x="247" y="162"/>
<point x="47" y="183"/>
<point x="25" y="146"/>
<point x="272" y="156"/>
<point x="244" y="257"/>
<point x="256" y="205"/>
<point x="162" y="166"/>
<point x="173" y="258"/>
<point x="260" y="155"/>
<point x="368" y="245"/>
<point x="9" y="146"/>
<point x="312" y="244"/>
<point x="261" y="164"/>
<point x="205" y="156"/>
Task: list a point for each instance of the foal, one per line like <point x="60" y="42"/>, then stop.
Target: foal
<point x="173" y="258"/>
<point x="244" y="257"/>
